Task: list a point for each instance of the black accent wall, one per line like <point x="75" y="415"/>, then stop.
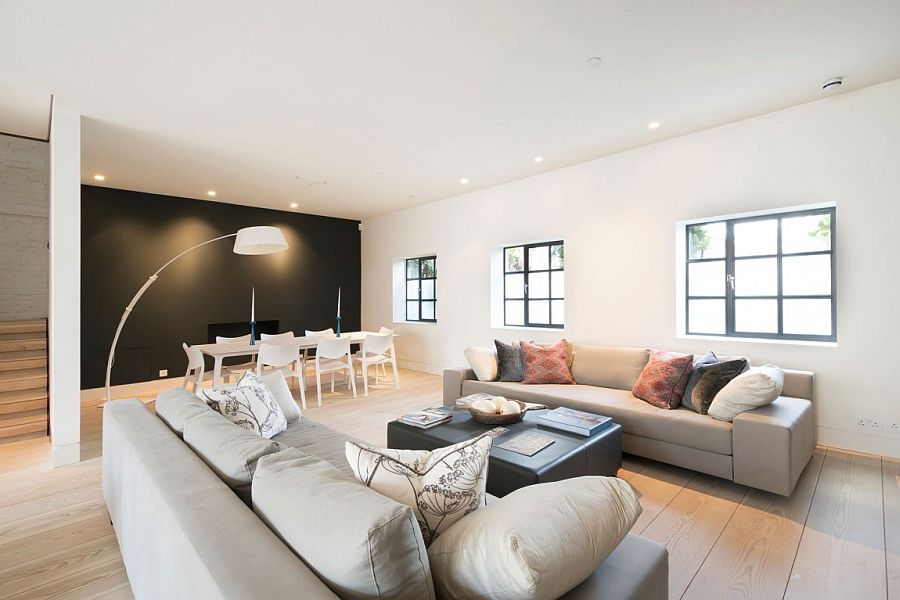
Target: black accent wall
<point x="126" y="236"/>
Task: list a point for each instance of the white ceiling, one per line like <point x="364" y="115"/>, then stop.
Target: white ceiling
<point x="392" y="102"/>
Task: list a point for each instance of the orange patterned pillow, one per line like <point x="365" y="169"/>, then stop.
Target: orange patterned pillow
<point x="546" y="364"/>
<point x="663" y="379"/>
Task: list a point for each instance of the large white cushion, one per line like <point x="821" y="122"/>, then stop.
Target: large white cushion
<point x="360" y="543"/>
<point x="483" y="361"/>
<point x="538" y="542"/>
<point x="441" y="486"/>
<point x="277" y="384"/>
<point x="250" y="404"/>
<point x="754" y="388"/>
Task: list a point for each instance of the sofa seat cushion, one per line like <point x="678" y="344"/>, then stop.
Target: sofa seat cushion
<point x="680" y="426"/>
<point x="319" y="440"/>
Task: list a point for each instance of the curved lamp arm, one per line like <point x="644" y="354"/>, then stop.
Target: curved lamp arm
<point x="137" y="296"/>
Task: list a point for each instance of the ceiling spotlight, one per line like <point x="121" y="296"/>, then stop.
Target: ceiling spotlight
<point x="211" y="193"/>
<point x="654" y="124"/>
<point x="833" y="83"/>
<point x="294" y="205"/>
<point x="594" y="61"/>
<point x="464" y="181"/>
<point x="538" y="159"/>
<point x="99" y="177"/>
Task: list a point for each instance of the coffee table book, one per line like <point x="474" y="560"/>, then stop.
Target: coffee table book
<point x="574" y="421"/>
<point x="425" y="419"/>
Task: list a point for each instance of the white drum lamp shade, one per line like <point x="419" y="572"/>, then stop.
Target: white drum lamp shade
<point x="259" y="240"/>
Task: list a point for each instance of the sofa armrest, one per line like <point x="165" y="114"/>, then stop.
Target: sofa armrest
<point x="773" y="444"/>
<point x="453" y="382"/>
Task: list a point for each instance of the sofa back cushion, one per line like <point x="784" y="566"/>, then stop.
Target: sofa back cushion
<point x="608" y="366"/>
<point x="360" y="543"/>
<point x="176" y="406"/>
<point x="230" y="451"/>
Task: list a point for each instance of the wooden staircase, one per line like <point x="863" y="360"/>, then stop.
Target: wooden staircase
<point x="23" y="380"/>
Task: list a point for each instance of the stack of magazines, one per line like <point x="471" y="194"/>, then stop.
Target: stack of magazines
<point x="574" y="421"/>
<point x="428" y="418"/>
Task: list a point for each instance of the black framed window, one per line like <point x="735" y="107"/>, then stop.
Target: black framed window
<point x="769" y="276"/>
<point x="421" y="289"/>
<point x="534" y="284"/>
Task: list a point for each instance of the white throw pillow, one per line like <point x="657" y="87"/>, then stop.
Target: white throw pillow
<point x="537" y="542"/>
<point x="483" y="361"/>
<point x="441" y="486"/>
<point x="754" y="388"/>
<point x="250" y="404"/>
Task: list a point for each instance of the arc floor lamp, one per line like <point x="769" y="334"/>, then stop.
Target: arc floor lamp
<point x="249" y="240"/>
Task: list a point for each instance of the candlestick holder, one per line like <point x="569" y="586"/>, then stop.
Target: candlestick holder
<point x="252" y="333"/>
<point x="338" y="334"/>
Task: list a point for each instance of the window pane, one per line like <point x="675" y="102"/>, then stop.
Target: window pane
<point x="558" y="284"/>
<point x="756" y="237"/>
<point x="539" y="258"/>
<point x="557" y="256"/>
<point x="807" y="317"/>
<point x="515" y="286"/>
<point x="756" y="277"/>
<point x="706" y="240"/>
<point x="428" y="289"/>
<point x="514" y="259"/>
<point x="706" y="316"/>
<point x="539" y="312"/>
<point x="806" y="234"/>
<point x="412" y="289"/>
<point x="756" y="316"/>
<point x="412" y="311"/>
<point x="515" y="312"/>
<point x="412" y="268"/>
<point x="806" y="275"/>
<point x="428" y="268"/>
<point x="706" y="278"/>
<point x="428" y="310"/>
<point x="539" y="285"/>
<point x="558" y="312"/>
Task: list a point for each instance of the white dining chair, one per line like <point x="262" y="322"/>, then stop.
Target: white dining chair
<point x="383" y="366"/>
<point x="285" y="358"/>
<point x="377" y="349"/>
<point x="333" y="356"/>
<point x="236" y="371"/>
<point x="196" y="369"/>
<point x="307" y="358"/>
<point x="269" y="337"/>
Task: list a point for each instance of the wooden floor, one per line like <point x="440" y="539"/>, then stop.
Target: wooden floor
<point x="838" y="536"/>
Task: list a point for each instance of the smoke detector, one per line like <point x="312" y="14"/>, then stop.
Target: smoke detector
<point x="832" y="84"/>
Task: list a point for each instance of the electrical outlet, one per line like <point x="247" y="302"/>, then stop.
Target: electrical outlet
<point x="163" y="372"/>
<point x="875" y="425"/>
<point x="862" y="423"/>
<point x="892" y="427"/>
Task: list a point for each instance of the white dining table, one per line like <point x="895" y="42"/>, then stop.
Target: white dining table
<point x="221" y="351"/>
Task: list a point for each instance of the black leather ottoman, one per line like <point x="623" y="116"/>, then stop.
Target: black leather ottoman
<point x="569" y="456"/>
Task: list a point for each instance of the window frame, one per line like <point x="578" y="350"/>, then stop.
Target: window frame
<point x="420" y="279"/>
<point x="526" y="272"/>
<point x="730" y="259"/>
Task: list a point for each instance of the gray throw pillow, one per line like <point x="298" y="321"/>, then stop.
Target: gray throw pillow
<point x="713" y="379"/>
<point x="510" y="362"/>
<point x="700" y="365"/>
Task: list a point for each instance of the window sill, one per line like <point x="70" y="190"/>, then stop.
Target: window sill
<point x="721" y="338"/>
<point x="431" y="323"/>
<point x="523" y="328"/>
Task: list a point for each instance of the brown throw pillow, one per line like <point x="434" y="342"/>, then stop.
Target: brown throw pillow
<point x="713" y="379"/>
<point x="546" y="364"/>
<point x="663" y="379"/>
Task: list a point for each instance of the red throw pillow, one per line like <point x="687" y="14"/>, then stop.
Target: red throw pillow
<point x="546" y="364"/>
<point x="663" y="380"/>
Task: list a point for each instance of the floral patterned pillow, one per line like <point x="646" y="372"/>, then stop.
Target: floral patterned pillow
<point x="250" y="404"/>
<point x="663" y="379"/>
<point x="442" y="486"/>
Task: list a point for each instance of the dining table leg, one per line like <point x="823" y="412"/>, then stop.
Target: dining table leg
<point x="217" y="371"/>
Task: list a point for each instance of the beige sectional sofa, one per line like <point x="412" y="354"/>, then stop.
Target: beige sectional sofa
<point x="766" y="448"/>
<point x="186" y="528"/>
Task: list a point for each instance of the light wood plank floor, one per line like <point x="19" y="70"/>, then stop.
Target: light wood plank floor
<point x="837" y="536"/>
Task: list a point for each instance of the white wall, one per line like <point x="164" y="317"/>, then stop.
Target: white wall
<point x="617" y="216"/>
<point x="24" y="230"/>
<point x="65" y="287"/>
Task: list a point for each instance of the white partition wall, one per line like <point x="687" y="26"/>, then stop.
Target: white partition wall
<point x="65" y="289"/>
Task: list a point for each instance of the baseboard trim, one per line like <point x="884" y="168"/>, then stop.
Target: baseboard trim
<point x="868" y="443"/>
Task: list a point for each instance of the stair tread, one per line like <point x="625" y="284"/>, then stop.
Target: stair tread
<point x="23" y="395"/>
<point x="14" y="336"/>
<point x="22" y="355"/>
<point x="29" y="326"/>
<point x="22" y="374"/>
<point x="23" y="418"/>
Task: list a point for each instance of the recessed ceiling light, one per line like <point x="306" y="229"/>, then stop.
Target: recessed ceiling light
<point x="594" y="61"/>
<point x="653" y="124"/>
<point x="211" y="193"/>
<point x="464" y="181"/>
<point x="294" y="205"/>
<point x="99" y="177"/>
<point x="538" y="159"/>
